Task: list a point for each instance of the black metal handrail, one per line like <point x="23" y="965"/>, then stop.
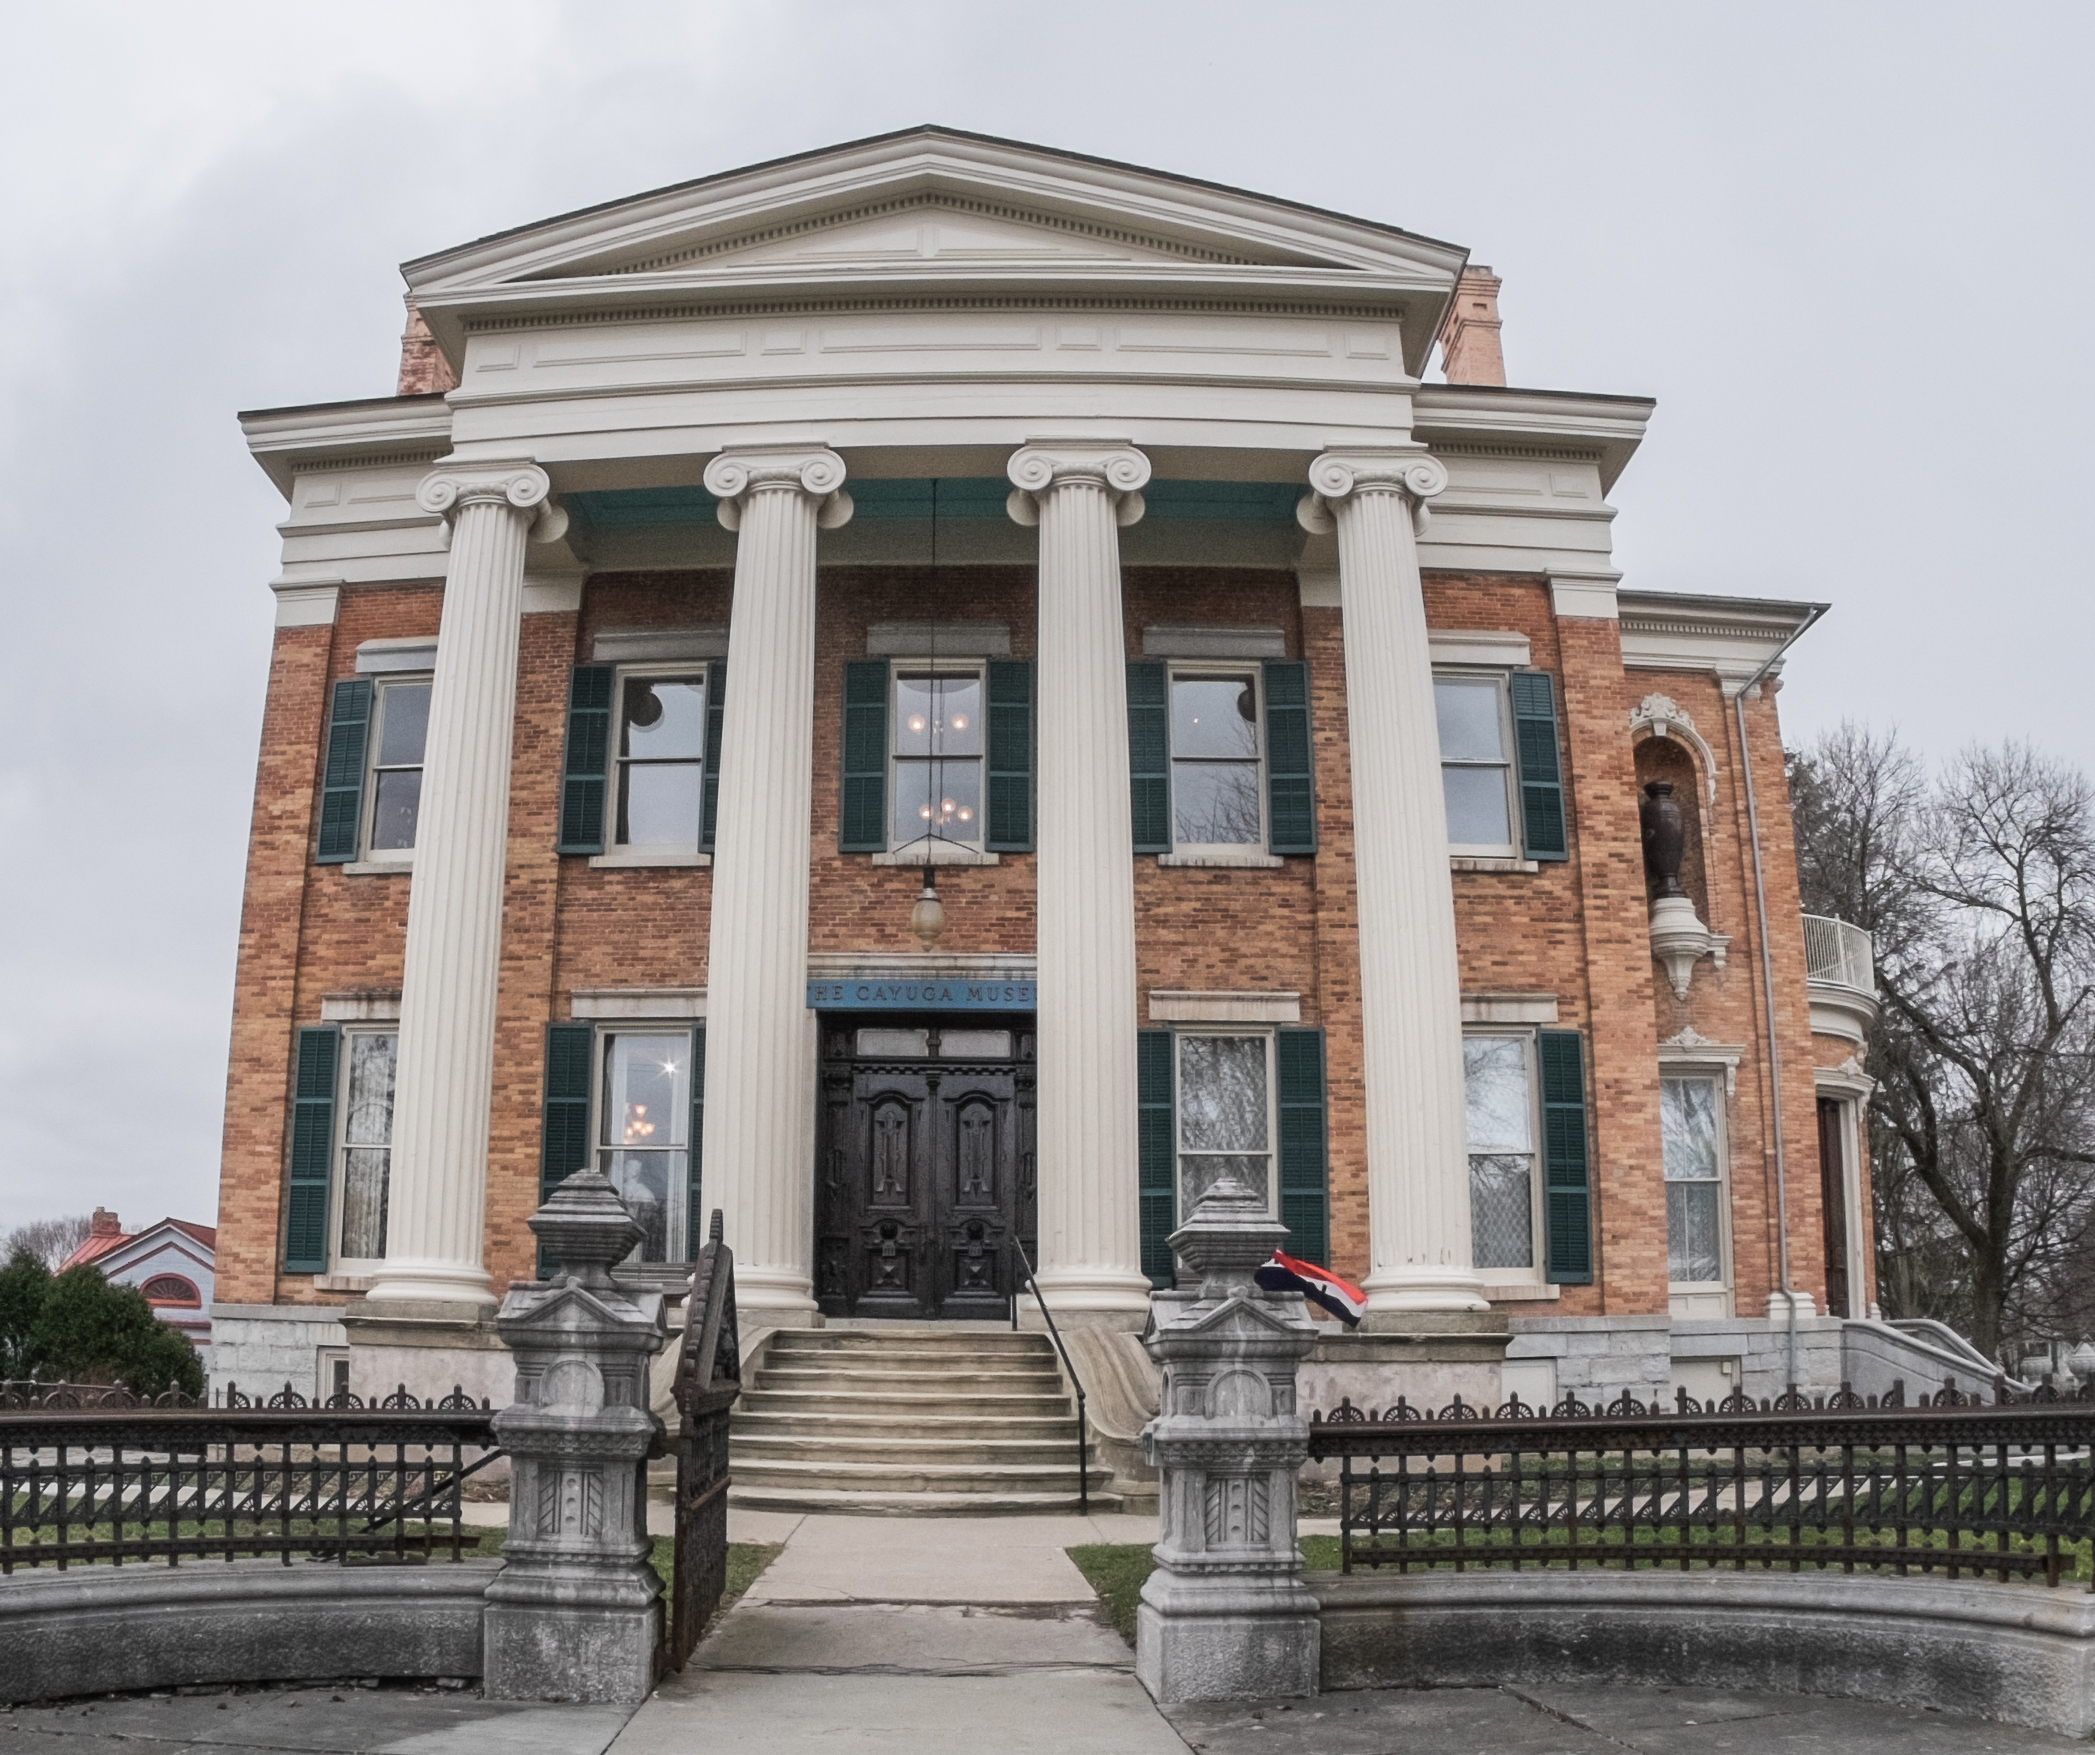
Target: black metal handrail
<point x="1970" y="1488"/>
<point x="1069" y="1365"/>
<point x="708" y="1381"/>
<point x="167" y="1484"/>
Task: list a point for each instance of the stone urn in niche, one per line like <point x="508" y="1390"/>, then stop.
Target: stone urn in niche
<point x="1678" y="937"/>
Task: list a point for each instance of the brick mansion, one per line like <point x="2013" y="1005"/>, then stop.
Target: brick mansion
<point x="938" y="697"/>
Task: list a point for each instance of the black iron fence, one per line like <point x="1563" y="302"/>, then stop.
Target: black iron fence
<point x="2004" y="1489"/>
<point x="93" y="1475"/>
<point x="708" y="1381"/>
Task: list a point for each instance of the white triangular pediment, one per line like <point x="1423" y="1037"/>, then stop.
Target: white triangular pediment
<point x="944" y="233"/>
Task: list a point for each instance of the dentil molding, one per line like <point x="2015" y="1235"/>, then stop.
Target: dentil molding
<point x="514" y="481"/>
<point x="813" y="470"/>
<point x="1046" y="464"/>
<point x="1341" y="475"/>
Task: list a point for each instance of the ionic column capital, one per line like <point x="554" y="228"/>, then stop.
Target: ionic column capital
<point x="812" y="470"/>
<point x="1338" y="476"/>
<point x="515" y="482"/>
<point x="1046" y="464"/>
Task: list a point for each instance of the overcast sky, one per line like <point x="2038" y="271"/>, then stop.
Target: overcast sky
<point x="1846" y="247"/>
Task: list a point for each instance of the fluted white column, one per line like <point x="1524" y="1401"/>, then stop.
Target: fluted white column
<point x="1080" y="493"/>
<point x="759" y="1141"/>
<point x="1410" y="983"/>
<point x="437" y="1189"/>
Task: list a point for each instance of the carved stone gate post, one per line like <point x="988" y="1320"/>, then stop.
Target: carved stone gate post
<point x="575" y="1614"/>
<point x="1226" y="1615"/>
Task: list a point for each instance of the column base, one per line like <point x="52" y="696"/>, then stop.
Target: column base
<point x="432" y="1282"/>
<point x="775" y="1298"/>
<point x="1398" y="1291"/>
<point x="1088" y="1298"/>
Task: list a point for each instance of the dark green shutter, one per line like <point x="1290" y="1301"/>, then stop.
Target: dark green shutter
<point x="1157" y="1132"/>
<point x="563" y="1139"/>
<point x="342" y="776"/>
<point x="1541" y="777"/>
<point x="694" y="1199"/>
<point x="862" y="821"/>
<point x="588" y="756"/>
<point x="1304" y="1202"/>
<point x="1291" y="804"/>
<point x="1010" y="756"/>
<point x="312" y="1149"/>
<point x="716" y="713"/>
<point x="1567" y="1190"/>
<point x="1149" y="756"/>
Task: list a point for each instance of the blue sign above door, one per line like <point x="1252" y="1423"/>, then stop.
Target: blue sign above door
<point x="920" y="996"/>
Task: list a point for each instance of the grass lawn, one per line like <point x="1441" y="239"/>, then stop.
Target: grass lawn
<point x="1116" y="1570"/>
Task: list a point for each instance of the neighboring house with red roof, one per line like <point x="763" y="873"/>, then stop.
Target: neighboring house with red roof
<point x="172" y="1262"/>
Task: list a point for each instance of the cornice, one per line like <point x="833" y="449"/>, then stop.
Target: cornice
<point x="1732" y="636"/>
<point x="1601" y="428"/>
<point x="370" y="433"/>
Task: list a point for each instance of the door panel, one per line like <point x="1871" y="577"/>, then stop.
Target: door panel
<point x="925" y="1176"/>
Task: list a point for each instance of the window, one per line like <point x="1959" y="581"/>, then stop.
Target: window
<point x="1225" y="1115"/>
<point x="396" y="767"/>
<point x="1216" y="798"/>
<point x="1691" y="1136"/>
<point x="643" y="1134"/>
<point x="1476" y="764"/>
<point x="660" y="794"/>
<point x="367" y="1144"/>
<point x="170" y="1289"/>
<point x="1499" y="1083"/>
<point x="937" y="756"/>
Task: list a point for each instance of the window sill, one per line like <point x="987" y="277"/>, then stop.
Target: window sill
<point x="344" y="1282"/>
<point x="936" y="853"/>
<point x="643" y="859"/>
<point x="1224" y="861"/>
<point x="1523" y="1292"/>
<point x="378" y="868"/>
<point x="1491" y="862"/>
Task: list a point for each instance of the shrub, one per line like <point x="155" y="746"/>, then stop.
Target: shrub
<point x="80" y="1328"/>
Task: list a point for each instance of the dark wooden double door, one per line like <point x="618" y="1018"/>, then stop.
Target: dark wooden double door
<point x="925" y="1168"/>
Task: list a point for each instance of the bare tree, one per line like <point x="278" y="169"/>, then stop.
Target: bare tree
<point x="1979" y="888"/>
<point x="49" y="1240"/>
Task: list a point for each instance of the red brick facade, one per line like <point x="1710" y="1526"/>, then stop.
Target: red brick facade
<point x="1576" y="929"/>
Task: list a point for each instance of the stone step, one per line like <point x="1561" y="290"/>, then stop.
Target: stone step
<point x="936" y="1428"/>
<point x="864" y="1502"/>
<point x="929" y="1360"/>
<point x="872" y="1377"/>
<point x="888" y="1402"/>
<point x="751" y="1448"/>
<point x="831" y="1474"/>
<point x="912" y="1334"/>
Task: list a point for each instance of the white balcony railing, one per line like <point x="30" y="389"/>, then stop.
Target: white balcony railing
<point x="1838" y="953"/>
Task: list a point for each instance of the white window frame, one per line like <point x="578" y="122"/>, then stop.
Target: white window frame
<point x="614" y="762"/>
<point x="1704" y="1298"/>
<point x="679" y="1220"/>
<point x="1199" y="667"/>
<point x="1178" y="1087"/>
<point x="978" y="669"/>
<point x="338" y="1191"/>
<point x="1502" y="680"/>
<point x="367" y="830"/>
<point x="1532" y="1274"/>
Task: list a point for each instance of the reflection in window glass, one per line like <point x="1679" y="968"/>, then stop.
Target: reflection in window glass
<point x="1475" y="769"/>
<point x="396" y="770"/>
<point x="1223" y="1126"/>
<point x="975" y="1044"/>
<point x="644" y="1148"/>
<point x="367" y="1140"/>
<point x="661" y="760"/>
<point x="938" y="758"/>
<point x="1215" y="797"/>
<point x="1501" y="1110"/>
<point x="895" y="1044"/>
<point x="1690" y="1143"/>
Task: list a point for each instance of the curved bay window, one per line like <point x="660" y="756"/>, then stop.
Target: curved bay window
<point x="644" y="1146"/>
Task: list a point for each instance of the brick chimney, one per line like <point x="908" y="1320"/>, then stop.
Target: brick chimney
<point x="1469" y="333"/>
<point x="423" y="368"/>
<point x="104" y="1224"/>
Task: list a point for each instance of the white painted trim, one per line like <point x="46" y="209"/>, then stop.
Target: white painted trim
<point x="1841" y="1011"/>
<point x="1688" y="1053"/>
<point x="1846" y="1080"/>
<point x="938" y="639"/>
<point x="1590" y="595"/>
<point x="370" y="1007"/>
<point x="1491" y="862"/>
<point x="1186" y="1006"/>
<point x="651" y="859"/>
<point x="637" y="1003"/>
<point x="1205" y="642"/>
<point x="1509" y="1008"/>
<point x="657" y="645"/>
<point x="1481" y="646"/>
<point x="375" y="657"/>
<point x="550" y="594"/>
<point x="306" y="606"/>
<point x="380" y="867"/>
<point x="1731" y="637"/>
<point x="1224" y="860"/>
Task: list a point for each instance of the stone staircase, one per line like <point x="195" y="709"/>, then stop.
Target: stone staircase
<point x="908" y="1420"/>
